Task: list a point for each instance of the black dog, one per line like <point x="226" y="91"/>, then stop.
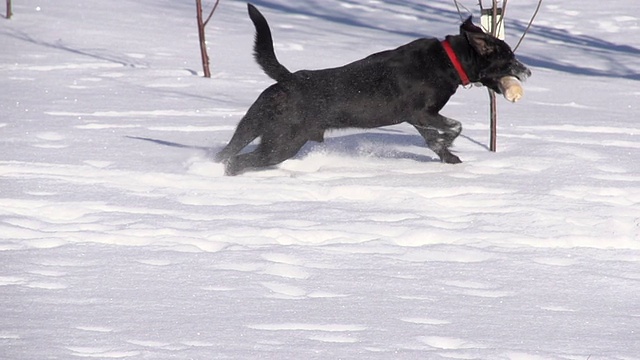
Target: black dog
<point x="411" y="83"/>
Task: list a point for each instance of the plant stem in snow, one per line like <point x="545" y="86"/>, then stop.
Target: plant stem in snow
<point x="9" y="12"/>
<point x="203" y="42"/>
<point x="201" y="34"/>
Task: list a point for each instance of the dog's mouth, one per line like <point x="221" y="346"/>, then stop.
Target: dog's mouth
<point x="491" y="79"/>
<point x="520" y="71"/>
<point x="523" y="75"/>
<point x="492" y="83"/>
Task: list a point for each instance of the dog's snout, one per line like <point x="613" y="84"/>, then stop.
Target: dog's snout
<point x="523" y="71"/>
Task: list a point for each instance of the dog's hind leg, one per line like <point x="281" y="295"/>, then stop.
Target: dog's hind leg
<point x="273" y="149"/>
<point x="260" y="116"/>
<point x="439" y="132"/>
<point x="245" y="133"/>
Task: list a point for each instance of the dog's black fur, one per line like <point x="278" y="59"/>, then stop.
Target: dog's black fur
<point x="408" y="84"/>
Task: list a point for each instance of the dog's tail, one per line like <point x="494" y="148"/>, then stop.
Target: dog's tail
<point x="263" y="47"/>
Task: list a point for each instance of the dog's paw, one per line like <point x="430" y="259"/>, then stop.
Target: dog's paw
<point x="449" y="158"/>
<point x="219" y="157"/>
<point x="231" y="167"/>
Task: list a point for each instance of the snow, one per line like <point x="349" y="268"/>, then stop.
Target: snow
<point x="120" y="238"/>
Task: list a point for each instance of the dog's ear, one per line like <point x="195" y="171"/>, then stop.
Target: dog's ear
<point x="481" y="43"/>
<point x="469" y="27"/>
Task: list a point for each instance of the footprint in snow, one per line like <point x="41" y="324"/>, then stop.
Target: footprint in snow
<point x="478" y="289"/>
<point x="97" y="352"/>
<point x="425" y="321"/>
<point x="285" y="266"/>
<point x="46" y="285"/>
<point x="286" y="271"/>
<point x="449" y="343"/>
<point x="333" y="339"/>
<point x="283" y="291"/>
<point x="50" y="140"/>
<point x="325" y="328"/>
<point x="98" y="329"/>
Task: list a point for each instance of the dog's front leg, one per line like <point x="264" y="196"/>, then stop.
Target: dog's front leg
<point x="439" y="132"/>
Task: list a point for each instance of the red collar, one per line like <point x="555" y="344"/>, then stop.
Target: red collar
<point x="456" y="63"/>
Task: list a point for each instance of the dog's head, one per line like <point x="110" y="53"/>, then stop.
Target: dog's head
<point x="495" y="59"/>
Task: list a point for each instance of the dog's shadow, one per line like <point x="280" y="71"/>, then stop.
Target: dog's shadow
<point x="382" y="143"/>
<point x="169" y="143"/>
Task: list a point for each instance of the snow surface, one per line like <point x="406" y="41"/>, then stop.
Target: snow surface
<point x="119" y="237"/>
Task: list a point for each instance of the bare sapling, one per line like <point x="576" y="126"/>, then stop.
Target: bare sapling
<point x="9" y="11"/>
<point x="202" y="23"/>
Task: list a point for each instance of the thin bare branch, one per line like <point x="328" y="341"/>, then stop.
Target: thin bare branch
<point x="215" y="6"/>
<point x="458" y="7"/>
<point x="203" y="41"/>
<point x="504" y="13"/>
<point x="535" y="13"/>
